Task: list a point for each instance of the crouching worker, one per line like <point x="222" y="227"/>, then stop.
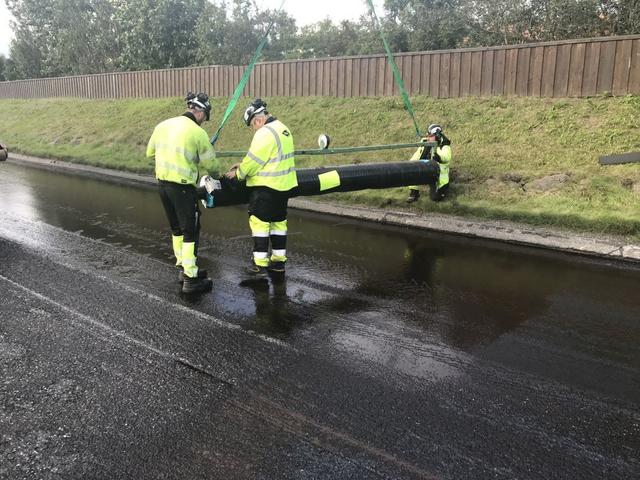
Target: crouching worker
<point x="270" y="173"/>
<point x="180" y="146"/>
<point x="442" y="155"/>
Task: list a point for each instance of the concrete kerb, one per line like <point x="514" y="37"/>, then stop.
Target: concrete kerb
<point x="106" y="174"/>
<point x="503" y="231"/>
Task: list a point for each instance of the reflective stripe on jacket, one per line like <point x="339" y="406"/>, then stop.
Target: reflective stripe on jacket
<point x="179" y="144"/>
<point x="270" y="161"/>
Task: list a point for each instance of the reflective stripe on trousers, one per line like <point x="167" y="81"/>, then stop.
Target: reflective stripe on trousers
<point x="189" y="259"/>
<point x="278" y="236"/>
<point x="177" y="242"/>
<point x="262" y="233"/>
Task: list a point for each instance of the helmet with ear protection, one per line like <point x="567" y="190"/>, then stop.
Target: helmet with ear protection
<point x="256" y="107"/>
<point x="435" y="130"/>
<point x="199" y="101"/>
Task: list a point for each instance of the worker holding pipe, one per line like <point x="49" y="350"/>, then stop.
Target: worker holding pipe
<point x="441" y="155"/>
<point x="269" y="171"/>
<point x="180" y="146"/>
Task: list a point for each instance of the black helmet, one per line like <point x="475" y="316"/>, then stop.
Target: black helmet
<point x="199" y="101"/>
<point x="256" y="107"/>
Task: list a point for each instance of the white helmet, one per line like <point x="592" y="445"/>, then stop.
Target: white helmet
<point x="256" y="107"/>
<point x="434" y="129"/>
<point x="199" y="101"/>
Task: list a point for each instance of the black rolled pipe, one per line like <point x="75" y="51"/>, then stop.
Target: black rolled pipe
<point x="345" y="178"/>
<point x="365" y="176"/>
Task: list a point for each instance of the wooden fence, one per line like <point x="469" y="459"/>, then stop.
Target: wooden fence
<point x="573" y="68"/>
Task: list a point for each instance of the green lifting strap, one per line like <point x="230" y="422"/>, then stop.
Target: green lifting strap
<point x="396" y="72"/>
<point x="244" y="79"/>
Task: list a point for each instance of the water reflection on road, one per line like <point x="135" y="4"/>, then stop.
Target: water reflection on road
<point x="419" y="303"/>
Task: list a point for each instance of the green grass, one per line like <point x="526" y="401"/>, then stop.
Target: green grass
<point x="524" y="138"/>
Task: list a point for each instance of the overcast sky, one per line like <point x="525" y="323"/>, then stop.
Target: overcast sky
<point x="304" y="11"/>
<point x="5" y="29"/>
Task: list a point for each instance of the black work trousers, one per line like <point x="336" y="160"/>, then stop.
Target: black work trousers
<point x="267" y="204"/>
<point x="268" y="222"/>
<point x="180" y="203"/>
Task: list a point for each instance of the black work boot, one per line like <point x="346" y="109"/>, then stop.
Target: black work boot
<point x="255" y="271"/>
<point x="195" y="285"/>
<point x="276" y="267"/>
<point x="414" y="195"/>
<point x="201" y="274"/>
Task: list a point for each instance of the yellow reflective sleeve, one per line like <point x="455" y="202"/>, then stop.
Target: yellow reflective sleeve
<point x="151" y="146"/>
<point x="417" y="154"/>
<point x="329" y="180"/>
<point x="445" y="154"/>
<point x="208" y="161"/>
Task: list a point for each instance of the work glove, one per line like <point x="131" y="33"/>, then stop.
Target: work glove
<point x="231" y="173"/>
<point x="210" y="185"/>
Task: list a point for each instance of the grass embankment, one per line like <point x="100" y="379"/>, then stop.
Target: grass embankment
<point x="499" y="145"/>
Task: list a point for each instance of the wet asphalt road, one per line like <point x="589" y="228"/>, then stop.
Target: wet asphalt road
<point x="386" y="353"/>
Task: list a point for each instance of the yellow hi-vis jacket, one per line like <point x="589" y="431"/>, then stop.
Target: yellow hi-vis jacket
<point x="444" y="153"/>
<point x="179" y="144"/>
<point x="269" y="161"/>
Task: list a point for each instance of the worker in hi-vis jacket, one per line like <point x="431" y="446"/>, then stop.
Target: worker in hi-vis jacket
<point x="181" y="148"/>
<point x="442" y="155"/>
<point x="269" y="171"/>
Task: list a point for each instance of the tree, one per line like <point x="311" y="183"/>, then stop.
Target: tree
<point x="158" y="33"/>
<point x="564" y="19"/>
<point x="210" y="34"/>
<point x="621" y="17"/>
<point x="326" y="39"/>
<point x="241" y="35"/>
<point x="30" y="46"/>
<point x="27" y="55"/>
<point x="501" y="22"/>
<point x="283" y="36"/>
<point x="68" y="37"/>
<point x="322" y="39"/>
<point x="84" y="37"/>
<point x="426" y="24"/>
<point x="63" y="37"/>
